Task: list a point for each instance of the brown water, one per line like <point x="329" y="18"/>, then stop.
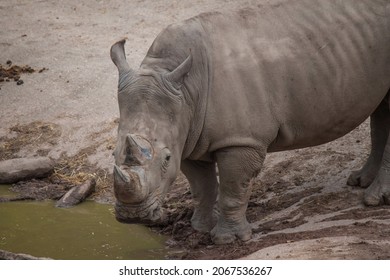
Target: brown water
<point x="87" y="231"/>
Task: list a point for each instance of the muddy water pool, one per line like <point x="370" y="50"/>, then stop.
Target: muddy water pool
<point x="87" y="231"/>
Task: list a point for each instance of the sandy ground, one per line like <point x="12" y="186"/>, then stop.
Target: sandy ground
<point x="301" y="207"/>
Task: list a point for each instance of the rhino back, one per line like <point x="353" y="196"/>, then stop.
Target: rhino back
<point x="296" y="74"/>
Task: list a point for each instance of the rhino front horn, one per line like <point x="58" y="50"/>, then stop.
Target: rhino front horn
<point x="127" y="186"/>
<point x="122" y="177"/>
<point x="118" y="56"/>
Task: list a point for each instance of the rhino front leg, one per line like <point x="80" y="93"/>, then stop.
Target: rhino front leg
<point x="379" y="121"/>
<point x="204" y="188"/>
<point x="238" y="167"/>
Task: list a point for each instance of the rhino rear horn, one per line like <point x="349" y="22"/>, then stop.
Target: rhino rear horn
<point x="118" y="56"/>
<point x="176" y="76"/>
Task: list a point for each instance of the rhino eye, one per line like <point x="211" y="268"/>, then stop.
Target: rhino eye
<point x="165" y="162"/>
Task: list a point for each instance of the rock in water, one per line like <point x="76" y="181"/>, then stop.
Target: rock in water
<point x="5" y="255"/>
<point x="18" y="169"/>
<point x="77" y="194"/>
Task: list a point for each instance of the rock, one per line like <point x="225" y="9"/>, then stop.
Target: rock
<point x="77" y="194"/>
<point x="5" y="255"/>
<point x="15" y="170"/>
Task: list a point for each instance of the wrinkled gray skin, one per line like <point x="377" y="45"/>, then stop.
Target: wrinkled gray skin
<point x="224" y="89"/>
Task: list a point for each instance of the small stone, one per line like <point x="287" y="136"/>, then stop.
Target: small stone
<point x="9" y="62"/>
<point x="20" y="82"/>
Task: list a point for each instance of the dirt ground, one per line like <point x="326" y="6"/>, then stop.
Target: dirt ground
<point x="301" y="207"/>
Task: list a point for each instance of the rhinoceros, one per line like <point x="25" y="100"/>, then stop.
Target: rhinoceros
<point x="223" y="89"/>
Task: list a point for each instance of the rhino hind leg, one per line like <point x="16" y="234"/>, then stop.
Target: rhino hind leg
<point x="204" y="188"/>
<point x="380" y="124"/>
<point x="238" y="167"/>
<point x="379" y="190"/>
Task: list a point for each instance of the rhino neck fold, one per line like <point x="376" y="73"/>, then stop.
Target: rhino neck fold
<point x="191" y="146"/>
<point x="198" y="86"/>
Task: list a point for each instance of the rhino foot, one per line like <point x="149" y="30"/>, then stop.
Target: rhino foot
<point x="379" y="191"/>
<point x="362" y="178"/>
<point x="204" y="222"/>
<point x="379" y="123"/>
<point x="227" y="233"/>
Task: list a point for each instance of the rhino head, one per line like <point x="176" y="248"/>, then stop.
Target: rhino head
<point x="151" y="136"/>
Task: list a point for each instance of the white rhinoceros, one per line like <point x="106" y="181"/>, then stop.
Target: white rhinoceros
<point x="226" y="88"/>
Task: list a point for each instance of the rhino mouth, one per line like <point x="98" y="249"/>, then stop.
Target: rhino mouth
<point x="147" y="213"/>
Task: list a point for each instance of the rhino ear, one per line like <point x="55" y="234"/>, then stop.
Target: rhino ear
<point x="176" y="77"/>
<point x="118" y="56"/>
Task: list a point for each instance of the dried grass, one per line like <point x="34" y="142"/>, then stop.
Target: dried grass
<point x="77" y="169"/>
<point x="73" y="170"/>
